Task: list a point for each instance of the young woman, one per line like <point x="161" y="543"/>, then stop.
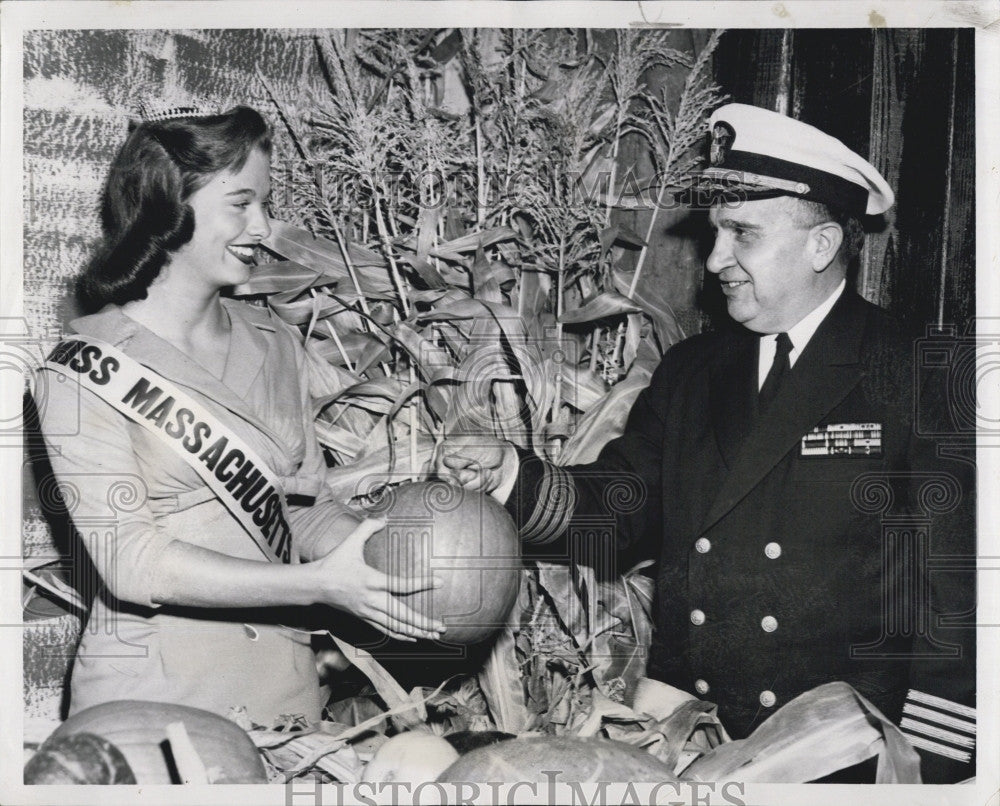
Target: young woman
<point x="189" y="609"/>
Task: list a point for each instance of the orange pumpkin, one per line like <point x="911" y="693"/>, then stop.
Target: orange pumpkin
<point x="139" y="730"/>
<point x="465" y="538"/>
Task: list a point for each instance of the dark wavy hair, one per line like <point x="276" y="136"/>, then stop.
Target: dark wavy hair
<point x="145" y="214"/>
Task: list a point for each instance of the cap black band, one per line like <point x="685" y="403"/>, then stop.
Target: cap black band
<point x="823" y="186"/>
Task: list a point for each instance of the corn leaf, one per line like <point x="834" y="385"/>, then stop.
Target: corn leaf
<point x="559" y="585"/>
<point x="282" y="275"/>
<point x="374" y="352"/>
<point x="658" y="699"/>
<point x="606" y="420"/>
<point x="484" y="283"/>
<point x="325" y="257"/>
<point x="828" y="728"/>
<point x="302" y="311"/>
<point x="532" y="292"/>
<point x="430" y="275"/>
<point x="427" y="222"/>
<point x="692" y="718"/>
<point x="475" y="368"/>
<point x="621" y="235"/>
<point x="602" y="708"/>
<point x="339" y="439"/>
<point x="489" y="319"/>
<point x="373" y="469"/>
<point x="386" y="388"/>
<point x="332" y="755"/>
<point x="324" y="377"/>
<point x="438" y="277"/>
<point x="357" y="345"/>
<point x="605" y="305"/>
<point x="410" y="712"/>
<point x="649" y="295"/>
<point x="500" y="681"/>
<point x="428" y="295"/>
<point x="581" y="387"/>
<point x="426" y="355"/>
<point x="454" y="249"/>
<point x="633" y="334"/>
<point x="639" y="594"/>
<point x="404" y="396"/>
<point x="438" y="398"/>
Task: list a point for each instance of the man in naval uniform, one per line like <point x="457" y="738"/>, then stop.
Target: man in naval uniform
<point x="777" y="474"/>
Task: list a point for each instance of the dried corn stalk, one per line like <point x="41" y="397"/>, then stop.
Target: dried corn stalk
<point x="454" y="255"/>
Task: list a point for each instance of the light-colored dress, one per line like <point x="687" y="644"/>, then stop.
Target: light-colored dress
<point x="129" y="496"/>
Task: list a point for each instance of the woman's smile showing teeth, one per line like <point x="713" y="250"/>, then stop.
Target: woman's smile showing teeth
<point x="243" y="253"/>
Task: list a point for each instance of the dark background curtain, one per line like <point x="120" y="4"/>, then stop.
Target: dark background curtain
<point x="905" y="99"/>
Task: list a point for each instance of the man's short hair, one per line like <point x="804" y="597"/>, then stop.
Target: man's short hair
<point x="810" y="213"/>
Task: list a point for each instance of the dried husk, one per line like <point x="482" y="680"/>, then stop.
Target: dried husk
<point x="829" y="728"/>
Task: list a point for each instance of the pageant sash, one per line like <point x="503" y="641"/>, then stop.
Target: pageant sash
<point x="234" y="472"/>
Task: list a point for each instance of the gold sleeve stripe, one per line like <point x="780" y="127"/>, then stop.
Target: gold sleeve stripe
<point x="940" y="734"/>
<point x="555" y="502"/>
<point x="938" y="748"/>
<point x="941" y="719"/>
<point x="530" y="529"/>
<point x="942" y="704"/>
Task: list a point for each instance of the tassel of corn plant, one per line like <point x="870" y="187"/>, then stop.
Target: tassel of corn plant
<point x="679" y="133"/>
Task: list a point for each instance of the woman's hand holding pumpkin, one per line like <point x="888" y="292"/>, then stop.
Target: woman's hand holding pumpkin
<point x="348" y="583"/>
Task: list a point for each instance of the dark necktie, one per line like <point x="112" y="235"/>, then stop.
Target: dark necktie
<point x="780" y="367"/>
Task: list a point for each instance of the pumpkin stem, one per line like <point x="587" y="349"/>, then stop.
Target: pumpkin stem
<point x="189" y="763"/>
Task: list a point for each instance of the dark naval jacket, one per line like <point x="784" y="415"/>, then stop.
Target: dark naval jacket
<point x="821" y="540"/>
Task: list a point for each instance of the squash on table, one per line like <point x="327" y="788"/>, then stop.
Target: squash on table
<point x="416" y="756"/>
<point x="558" y="758"/>
<point x="138" y="728"/>
<point x="79" y="759"/>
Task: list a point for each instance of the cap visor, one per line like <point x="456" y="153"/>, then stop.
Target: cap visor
<point x="704" y="191"/>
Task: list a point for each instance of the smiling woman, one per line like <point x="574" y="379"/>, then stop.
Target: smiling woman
<point x="228" y="206"/>
<point x="167" y="167"/>
<point x="232" y="220"/>
<point x="201" y="406"/>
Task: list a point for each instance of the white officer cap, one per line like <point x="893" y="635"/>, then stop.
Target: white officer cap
<point x="757" y="153"/>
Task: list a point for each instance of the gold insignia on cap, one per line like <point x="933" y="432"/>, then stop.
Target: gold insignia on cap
<point x="780" y="154"/>
<point x="722" y="140"/>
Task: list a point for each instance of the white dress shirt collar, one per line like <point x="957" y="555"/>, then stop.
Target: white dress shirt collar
<point x="799" y="334"/>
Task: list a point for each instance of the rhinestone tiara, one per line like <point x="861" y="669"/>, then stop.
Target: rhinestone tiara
<point x="152" y="112"/>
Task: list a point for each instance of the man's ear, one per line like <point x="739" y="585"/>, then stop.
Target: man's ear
<point x="825" y="240"/>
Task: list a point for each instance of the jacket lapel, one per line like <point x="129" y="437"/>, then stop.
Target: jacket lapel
<point x="248" y="350"/>
<point x="822" y="377"/>
<point x="733" y="396"/>
<point x="246" y="358"/>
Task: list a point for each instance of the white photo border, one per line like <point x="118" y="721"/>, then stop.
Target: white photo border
<point x="18" y="17"/>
